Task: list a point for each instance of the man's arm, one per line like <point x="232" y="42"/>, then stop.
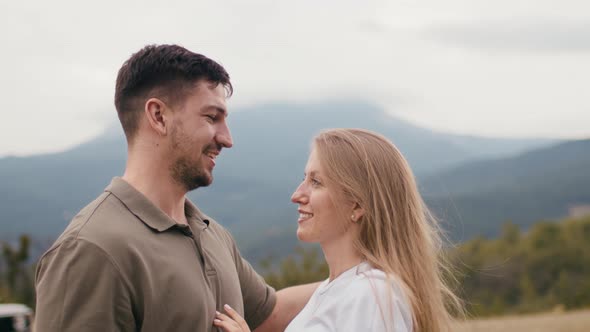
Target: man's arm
<point x="80" y="289"/>
<point x="290" y="301"/>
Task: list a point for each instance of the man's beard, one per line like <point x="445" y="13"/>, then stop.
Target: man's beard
<point x="190" y="174"/>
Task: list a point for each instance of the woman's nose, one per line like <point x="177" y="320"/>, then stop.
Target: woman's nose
<point x="299" y="195"/>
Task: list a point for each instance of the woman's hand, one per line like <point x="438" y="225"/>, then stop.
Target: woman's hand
<point x="232" y="322"/>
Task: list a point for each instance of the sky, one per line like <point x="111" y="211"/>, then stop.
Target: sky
<point x="499" y="68"/>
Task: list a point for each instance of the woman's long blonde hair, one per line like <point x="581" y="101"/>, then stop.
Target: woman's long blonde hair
<point x="398" y="235"/>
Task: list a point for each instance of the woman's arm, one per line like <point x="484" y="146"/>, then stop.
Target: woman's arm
<point x="290" y="301"/>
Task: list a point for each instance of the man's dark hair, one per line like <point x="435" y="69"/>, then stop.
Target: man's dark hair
<point x="161" y="71"/>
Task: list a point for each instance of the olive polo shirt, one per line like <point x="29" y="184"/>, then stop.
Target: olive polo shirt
<point x="123" y="265"/>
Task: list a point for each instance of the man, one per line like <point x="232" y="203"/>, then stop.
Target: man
<point x="142" y="257"/>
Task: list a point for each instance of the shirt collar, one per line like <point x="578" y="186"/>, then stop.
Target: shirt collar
<point x="148" y="213"/>
<point x="344" y="278"/>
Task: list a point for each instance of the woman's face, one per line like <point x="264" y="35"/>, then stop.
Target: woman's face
<point x="322" y="214"/>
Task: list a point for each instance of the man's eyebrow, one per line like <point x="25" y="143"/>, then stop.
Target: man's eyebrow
<point x="220" y="110"/>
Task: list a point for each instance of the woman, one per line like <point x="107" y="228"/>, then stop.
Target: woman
<point x="360" y="202"/>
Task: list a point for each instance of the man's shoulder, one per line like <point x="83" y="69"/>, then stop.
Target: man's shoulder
<point x="97" y="222"/>
<point x="215" y="226"/>
<point x="218" y="230"/>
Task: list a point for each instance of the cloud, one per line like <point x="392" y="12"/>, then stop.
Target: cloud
<point x="60" y="60"/>
<point x="515" y="35"/>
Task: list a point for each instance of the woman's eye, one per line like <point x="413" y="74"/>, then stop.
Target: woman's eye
<point x="314" y="182"/>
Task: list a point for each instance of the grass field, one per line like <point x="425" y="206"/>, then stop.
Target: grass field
<point x="575" y="321"/>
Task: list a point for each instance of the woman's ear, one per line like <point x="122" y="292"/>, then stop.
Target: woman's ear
<point x="357" y="213"/>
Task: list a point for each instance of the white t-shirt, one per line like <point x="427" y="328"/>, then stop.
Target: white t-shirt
<point x="360" y="299"/>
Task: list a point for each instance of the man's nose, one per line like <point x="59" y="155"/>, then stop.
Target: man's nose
<point x="224" y="137"/>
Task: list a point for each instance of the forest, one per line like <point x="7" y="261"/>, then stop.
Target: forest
<point x="544" y="268"/>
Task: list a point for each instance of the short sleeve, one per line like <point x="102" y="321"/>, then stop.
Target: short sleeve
<point x="259" y="298"/>
<point x="80" y="289"/>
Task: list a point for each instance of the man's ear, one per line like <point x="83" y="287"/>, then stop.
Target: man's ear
<point x="157" y="114"/>
<point x="357" y="213"/>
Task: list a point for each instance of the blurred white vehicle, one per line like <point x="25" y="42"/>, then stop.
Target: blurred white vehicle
<point x="15" y="318"/>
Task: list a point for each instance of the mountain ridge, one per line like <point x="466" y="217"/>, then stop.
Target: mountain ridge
<point x="253" y="180"/>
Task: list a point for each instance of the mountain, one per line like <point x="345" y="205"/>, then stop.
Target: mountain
<point x="253" y="180"/>
<point x="537" y="185"/>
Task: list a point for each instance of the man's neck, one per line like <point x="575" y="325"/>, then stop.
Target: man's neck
<point x="158" y="187"/>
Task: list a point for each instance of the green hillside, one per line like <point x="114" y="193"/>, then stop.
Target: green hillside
<point x="538" y="270"/>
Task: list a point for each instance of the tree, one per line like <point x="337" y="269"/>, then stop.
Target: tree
<point x="305" y="267"/>
<point x="16" y="282"/>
